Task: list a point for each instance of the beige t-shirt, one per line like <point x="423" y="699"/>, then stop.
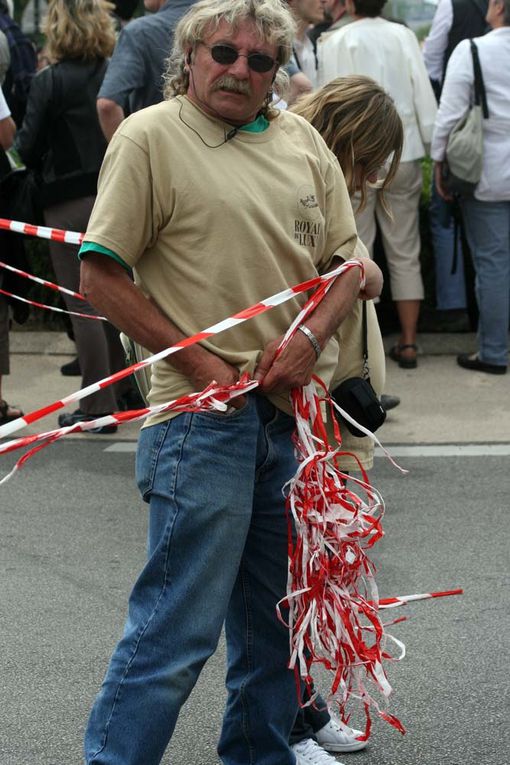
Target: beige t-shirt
<point x="210" y="231"/>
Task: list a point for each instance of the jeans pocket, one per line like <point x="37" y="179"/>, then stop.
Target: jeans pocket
<point x="150" y="442"/>
<point x="230" y="414"/>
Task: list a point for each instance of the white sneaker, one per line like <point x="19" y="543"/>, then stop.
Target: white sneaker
<point x="308" y="752"/>
<point x="334" y="739"/>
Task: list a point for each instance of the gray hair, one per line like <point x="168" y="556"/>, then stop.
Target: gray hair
<point x="272" y="19"/>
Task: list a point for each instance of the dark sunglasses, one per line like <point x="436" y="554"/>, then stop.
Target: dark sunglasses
<point x="226" y="55"/>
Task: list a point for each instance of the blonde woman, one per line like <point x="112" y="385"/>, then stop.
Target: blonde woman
<point x="360" y="124"/>
<point x="61" y="137"/>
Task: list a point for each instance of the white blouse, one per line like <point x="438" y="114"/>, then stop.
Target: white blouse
<point x="457" y="97"/>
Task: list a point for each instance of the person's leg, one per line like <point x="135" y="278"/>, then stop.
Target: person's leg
<point x="315" y="722"/>
<point x="89" y="334"/>
<point x="262" y="703"/>
<point x="197" y="472"/>
<point x="408" y="314"/>
<point x="316" y="716"/>
<point x="487" y="227"/>
<point x="7" y="411"/>
<point x="302" y="728"/>
<point x="450" y="288"/>
<point x="401" y="238"/>
<point x="4" y="337"/>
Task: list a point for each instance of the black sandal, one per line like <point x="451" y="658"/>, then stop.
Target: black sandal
<point x="9" y="413"/>
<point x="403" y="361"/>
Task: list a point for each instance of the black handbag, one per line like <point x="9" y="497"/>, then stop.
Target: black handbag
<point x="357" y="397"/>
<point x="21" y="190"/>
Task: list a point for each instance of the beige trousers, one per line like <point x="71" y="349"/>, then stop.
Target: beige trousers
<point x="400" y="232"/>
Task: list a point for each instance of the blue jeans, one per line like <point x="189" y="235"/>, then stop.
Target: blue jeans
<point x="487" y="227"/>
<point x="450" y="288"/>
<point x="217" y="554"/>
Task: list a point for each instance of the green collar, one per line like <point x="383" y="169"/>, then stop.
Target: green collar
<point x="258" y="125"/>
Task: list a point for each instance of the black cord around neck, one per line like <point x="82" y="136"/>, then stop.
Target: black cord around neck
<point x="228" y="135"/>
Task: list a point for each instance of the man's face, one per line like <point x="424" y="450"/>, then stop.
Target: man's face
<point x="234" y="92"/>
<point x="308" y="10"/>
<point x="153" y="5"/>
<point x="493" y="12"/>
<point x="331" y="8"/>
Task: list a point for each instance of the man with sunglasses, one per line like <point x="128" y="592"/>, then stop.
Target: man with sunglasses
<point x="216" y="200"/>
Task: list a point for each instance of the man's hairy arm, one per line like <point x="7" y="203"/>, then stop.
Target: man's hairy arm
<point x="294" y="367"/>
<point x="109" y="288"/>
<point x="110" y="116"/>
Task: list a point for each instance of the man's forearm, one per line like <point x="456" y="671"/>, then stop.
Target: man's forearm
<point x="339" y="301"/>
<point x="109" y="288"/>
<point x="110" y="116"/>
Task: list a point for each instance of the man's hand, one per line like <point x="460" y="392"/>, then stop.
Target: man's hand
<point x="440" y="187"/>
<point x="291" y="369"/>
<point x="373" y="280"/>
<point x="211" y="367"/>
<point x="110" y="289"/>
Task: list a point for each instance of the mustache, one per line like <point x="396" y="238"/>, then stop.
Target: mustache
<point x="227" y="82"/>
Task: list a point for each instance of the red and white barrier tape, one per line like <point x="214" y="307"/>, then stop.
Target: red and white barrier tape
<point x="213" y="397"/>
<point x="232" y="321"/>
<point x="41" y="232"/>
<point x="44" y="282"/>
<point x="51" y="307"/>
<point x="332" y="595"/>
<point x="403" y="600"/>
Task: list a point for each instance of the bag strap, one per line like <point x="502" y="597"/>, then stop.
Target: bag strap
<point x="365" y="372"/>
<point x="480" y="95"/>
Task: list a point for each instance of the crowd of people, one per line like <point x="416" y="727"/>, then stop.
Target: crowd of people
<point x="290" y="129"/>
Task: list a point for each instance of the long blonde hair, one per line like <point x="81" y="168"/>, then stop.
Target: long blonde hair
<point x="360" y="124"/>
<point x="272" y="19"/>
<point x="79" y="29"/>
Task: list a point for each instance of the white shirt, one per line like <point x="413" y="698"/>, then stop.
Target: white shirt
<point x="5" y="57"/>
<point x="390" y="54"/>
<point x="457" y="97"/>
<point x="4" y="109"/>
<point x="436" y="43"/>
<point x="305" y="55"/>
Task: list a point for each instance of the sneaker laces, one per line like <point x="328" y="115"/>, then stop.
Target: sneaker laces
<point x="345" y="736"/>
<point x="313" y="753"/>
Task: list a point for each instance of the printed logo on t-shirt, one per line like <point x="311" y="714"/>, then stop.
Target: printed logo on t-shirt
<point x="307" y="204"/>
<point x="308" y="224"/>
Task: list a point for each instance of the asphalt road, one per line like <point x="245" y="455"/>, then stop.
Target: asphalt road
<point x="72" y="537"/>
